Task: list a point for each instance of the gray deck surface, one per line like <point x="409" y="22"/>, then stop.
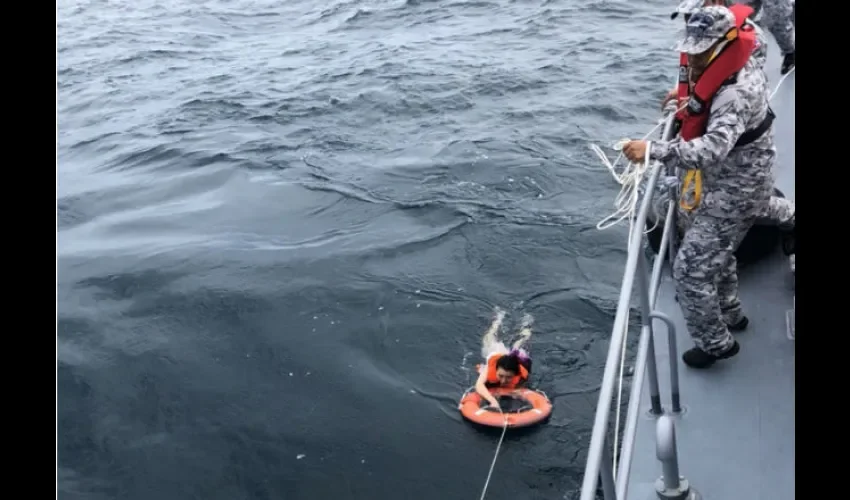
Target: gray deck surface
<point x="736" y="436"/>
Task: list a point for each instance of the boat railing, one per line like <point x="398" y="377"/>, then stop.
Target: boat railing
<point x="600" y="452"/>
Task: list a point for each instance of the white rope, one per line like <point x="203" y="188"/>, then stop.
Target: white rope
<point x="626" y="207"/>
<point x="634" y="199"/>
<point x="493" y="465"/>
<point x="632" y="175"/>
<point x="779" y="83"/>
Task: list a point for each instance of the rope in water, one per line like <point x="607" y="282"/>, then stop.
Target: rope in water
<point x="495" y="456"/>
<point x="626" y="203"/>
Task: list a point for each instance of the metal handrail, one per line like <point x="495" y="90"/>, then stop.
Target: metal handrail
<point x="598" y="457"/>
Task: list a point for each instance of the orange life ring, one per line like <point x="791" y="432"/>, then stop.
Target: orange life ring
<point x="541" y="408"/>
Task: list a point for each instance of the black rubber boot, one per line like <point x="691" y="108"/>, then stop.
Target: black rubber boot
<point x="740" y="325"/>
<point x="697" y="358"/>
<point x="789" y="240"/>
<point x="788" y="62"/>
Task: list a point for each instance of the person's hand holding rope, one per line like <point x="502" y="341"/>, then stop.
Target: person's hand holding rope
<point x="673" y="95"/>
<point x="635" y="151"/>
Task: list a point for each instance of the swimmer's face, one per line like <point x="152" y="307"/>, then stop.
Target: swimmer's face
<point x="504" y="376"/>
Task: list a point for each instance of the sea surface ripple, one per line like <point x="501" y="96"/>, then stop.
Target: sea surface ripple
<point x="283" y="228"/>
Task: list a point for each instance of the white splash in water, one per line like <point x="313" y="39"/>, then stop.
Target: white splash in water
<point x="463" y="361"/>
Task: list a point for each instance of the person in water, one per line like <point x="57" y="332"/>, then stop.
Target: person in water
<point x="503" y="367"/>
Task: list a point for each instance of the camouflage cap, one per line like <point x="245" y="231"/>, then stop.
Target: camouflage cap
<point x="705" y="27"/>
<point x="690" y="6"/>
<point x="687" y="7"/>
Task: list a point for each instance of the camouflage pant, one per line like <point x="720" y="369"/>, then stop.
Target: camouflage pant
<point x="780" y="212"/>
<point x="777" y="212"/>
<point x="777" y="18"/>
<point x="706" y="276"/>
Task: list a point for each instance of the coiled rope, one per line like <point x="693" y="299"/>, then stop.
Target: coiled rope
<point x="626" y="203"/>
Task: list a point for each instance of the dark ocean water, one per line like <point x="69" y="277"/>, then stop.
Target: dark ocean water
<point x="283" y="227"/>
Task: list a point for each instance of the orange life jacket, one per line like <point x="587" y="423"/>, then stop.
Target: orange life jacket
<point x="725" y="65"/>
<point x="493" y="379"/>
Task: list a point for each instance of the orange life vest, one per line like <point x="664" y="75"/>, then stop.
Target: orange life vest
<point x="731" y="59"/>
<point x="493" y="379"/>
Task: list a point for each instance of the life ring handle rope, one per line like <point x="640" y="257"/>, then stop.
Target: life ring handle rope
<point x="495" y="456"/>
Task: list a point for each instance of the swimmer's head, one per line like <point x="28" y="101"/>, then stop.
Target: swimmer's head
<point x="507" y="367"/>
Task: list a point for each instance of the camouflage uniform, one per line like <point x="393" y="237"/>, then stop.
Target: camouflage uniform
<point x="737" y="185"/>
<point x="667" y="186"/>
<point x="780" y="211"/>
<point x="777" y="16"/>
